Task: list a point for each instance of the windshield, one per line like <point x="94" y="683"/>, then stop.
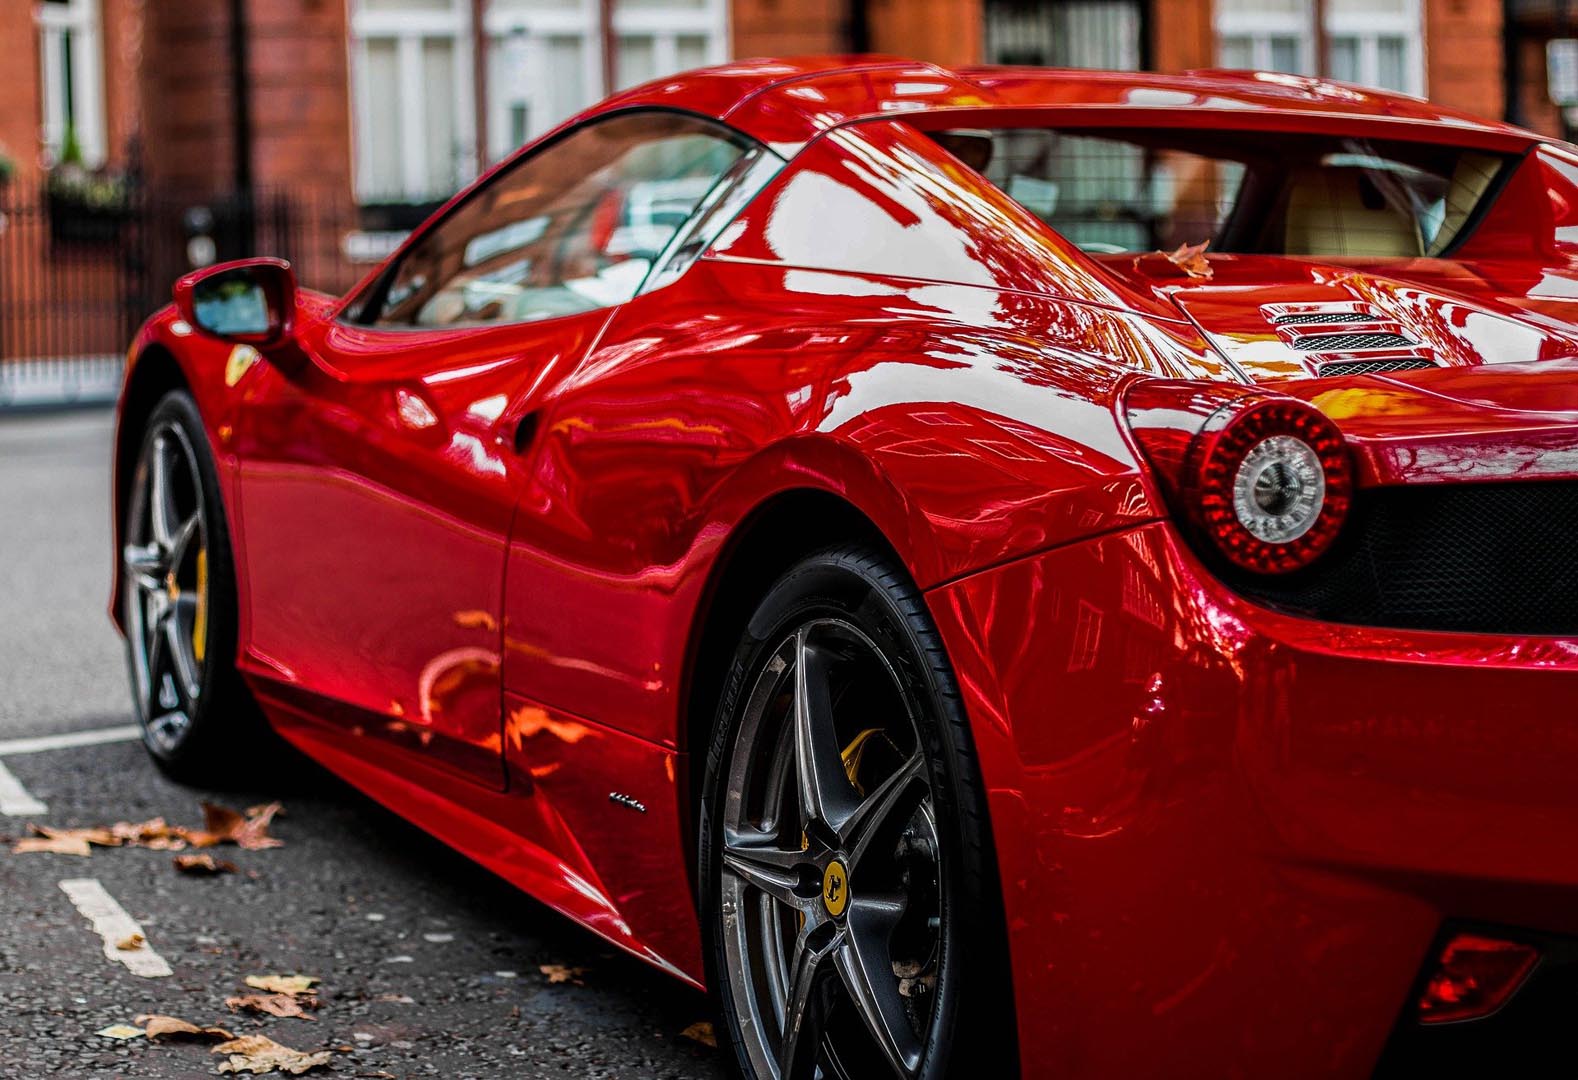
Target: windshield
<point x="1247" y="192"/>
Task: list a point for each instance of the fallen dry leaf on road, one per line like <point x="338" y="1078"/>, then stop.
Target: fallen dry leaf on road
<point x="52" y="844"/>
<point x="284" y="984"/>
<point x="156" y="833"/>
<point x="260" y="1054"/>
<point x="98" y="836"/>
<point x="120" y="1031"/>
<point x="204" y="865"/>
<point x="558" y="973"/>
<point x="221" y="825"/>
<point x="250" y="830"/>
<point x="701" y="1031"/>
<point x="65" y="841"/>
<point x="282" y="1005"/>
<point x="129" y="944"/>
<point x="177" y="1030"/>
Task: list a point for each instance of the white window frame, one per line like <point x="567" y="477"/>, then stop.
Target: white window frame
<point x="667" y="26"/>
<point x="538" y="25"/>
<point x="1366" y="26"/>
<point x="449" y="20"/>
<point x="1369" y="27"/>
<point x="79" y="18"/>
<point x="1260" y="27"/>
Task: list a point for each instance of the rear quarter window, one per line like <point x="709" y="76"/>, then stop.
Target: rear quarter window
<point x="1114" y="191"/>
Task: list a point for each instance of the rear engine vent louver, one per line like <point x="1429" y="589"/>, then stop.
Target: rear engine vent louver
<point x="1338" y="318"/>
<point x="1351" y="342"/>
<point x="1374" y="367"/>
<point x="1348" y="338"/>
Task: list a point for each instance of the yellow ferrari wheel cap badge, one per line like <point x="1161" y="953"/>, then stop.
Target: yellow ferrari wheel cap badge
<point x="835" y="888"/>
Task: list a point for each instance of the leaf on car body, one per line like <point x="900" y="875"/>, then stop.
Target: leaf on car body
<point x="284" y="984"/>
<point x="259" y="1054"/>
<point x="278" y="1004"/>
<point x="158" y="1027"/>
<point x="204" y="865"/>
<point x="1190" y="258"/>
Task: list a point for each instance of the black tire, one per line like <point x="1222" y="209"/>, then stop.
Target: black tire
<point x="970" y="1027"/>
<point x="225" y="738"/>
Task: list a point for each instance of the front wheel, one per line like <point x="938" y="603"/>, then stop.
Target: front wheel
<point x="178" y="606"/>
<point x="850" y="892"/>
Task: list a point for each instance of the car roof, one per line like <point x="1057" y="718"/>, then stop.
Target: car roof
<point x="788" y="102"/>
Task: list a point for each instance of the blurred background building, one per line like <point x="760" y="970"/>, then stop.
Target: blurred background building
<point x="141" y="137"/>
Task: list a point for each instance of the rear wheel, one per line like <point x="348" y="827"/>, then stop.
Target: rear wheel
<point x="851" y="897"/>
<point x="178" y="604"/>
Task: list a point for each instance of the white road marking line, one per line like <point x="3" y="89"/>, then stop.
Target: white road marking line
<point x="111" y="923"/>
<point x="14" y="799"/>
<point x="96" y="737"/>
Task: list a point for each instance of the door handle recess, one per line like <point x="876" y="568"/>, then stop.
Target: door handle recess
<point x="526" y="431"/>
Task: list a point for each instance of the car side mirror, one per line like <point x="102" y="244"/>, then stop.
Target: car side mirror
<point x="247" y="302"/>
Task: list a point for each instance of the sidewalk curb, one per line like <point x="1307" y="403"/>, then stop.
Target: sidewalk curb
<point x="59" y="383"/>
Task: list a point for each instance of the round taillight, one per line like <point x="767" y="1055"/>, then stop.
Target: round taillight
<point x="1272" y="486"/>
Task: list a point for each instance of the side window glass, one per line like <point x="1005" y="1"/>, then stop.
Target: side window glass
<point x="572" y="228"/>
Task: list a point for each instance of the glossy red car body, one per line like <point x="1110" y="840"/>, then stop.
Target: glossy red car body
<point x="1228" y="836"/>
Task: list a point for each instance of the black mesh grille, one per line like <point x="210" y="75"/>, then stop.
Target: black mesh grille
<point x="1480" y="558"/>
<point x="1350" y="342"/>
<point x="1325" y="318"/>
<point x="1374" y="367"/>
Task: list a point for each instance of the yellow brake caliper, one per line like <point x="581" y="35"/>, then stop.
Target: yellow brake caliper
<point x="200" y="620"/>
<point x="853" y="753"/>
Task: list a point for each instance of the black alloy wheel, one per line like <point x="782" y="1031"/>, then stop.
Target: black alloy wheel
<point x="178" y="605"/>
<point x="851" y="899"/>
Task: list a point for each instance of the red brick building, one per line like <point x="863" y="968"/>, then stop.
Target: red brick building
<point x="384" y="98"/>
<point x="348" y="110"/>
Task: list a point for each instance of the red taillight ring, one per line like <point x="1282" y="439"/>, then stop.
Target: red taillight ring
<point x="1271" y="485"/>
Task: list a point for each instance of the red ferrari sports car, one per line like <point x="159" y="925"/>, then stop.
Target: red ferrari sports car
<point x="984" y="570"/>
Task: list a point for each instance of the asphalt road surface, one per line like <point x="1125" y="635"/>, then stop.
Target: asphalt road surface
<point x="429" y="965"/>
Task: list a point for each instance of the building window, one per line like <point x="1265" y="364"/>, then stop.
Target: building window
<point x="655" y="38"/>
<point x="71" y="65"/>
<point x="546" y="56"/>
<point x="1369" y="42"/>
<point x="545" y="62"/>
<point x="415" y="88"/>
<point x="1067" y="33"/>
<point x="1266" y="35"/>
<point x="1376" y="43"/>
<point x="411" y="69"/>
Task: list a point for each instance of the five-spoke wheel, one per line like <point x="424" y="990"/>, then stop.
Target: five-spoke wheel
<point x="165" y="599"/>
<point x="178" y="606"/>
<point x="836" y="865"/>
